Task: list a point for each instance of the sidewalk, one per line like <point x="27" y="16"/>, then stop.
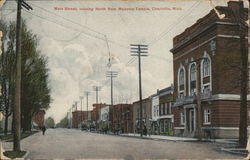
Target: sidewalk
<point x="174" y="138"/>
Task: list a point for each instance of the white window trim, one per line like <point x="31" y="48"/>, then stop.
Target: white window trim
<point x="170" y="107"/>
<point x="189" y="79"/>
<point x="180" y="91"/>
<point x="182" y="118"/>
<point x="204" y="85"/>
<point x="205" y="55"/>
<point x="205" y="114"/>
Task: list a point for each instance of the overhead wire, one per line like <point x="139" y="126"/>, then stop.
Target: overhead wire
<point x="181" y="18"/>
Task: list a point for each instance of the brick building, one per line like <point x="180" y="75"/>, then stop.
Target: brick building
<point x="166" y="118"/>
<point x="79" y="117"/>
<point x="96" y="111"/>
<point x="217" y="42"/>
<point x="146" y="114"/>
<point x="122" y="118"/>
<point x="38" y="119"/>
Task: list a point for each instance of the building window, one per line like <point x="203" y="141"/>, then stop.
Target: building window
<point x="206" y="67"/>
<point x="169" y="107"/>
<point x="207" y="117"/>
<point x="192" y="91"/>
<point x="166" y="108"/>
<point x="192" y="72"/>
<point x="162" y="109"/>
<point x="182" y="118"/>
<point x="157" y="108"/>
<point x="181" y="77"/>
<point x="206" y="89"/>
<point x="181" y="94"/>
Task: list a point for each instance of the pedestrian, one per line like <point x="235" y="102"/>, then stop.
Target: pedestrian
<point x="145" y="130"/>
<point x="43" y="129"/>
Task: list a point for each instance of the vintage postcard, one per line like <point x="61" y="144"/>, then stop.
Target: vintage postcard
<point x="121" y="79"/>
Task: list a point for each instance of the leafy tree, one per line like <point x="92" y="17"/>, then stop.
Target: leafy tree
<point x="35" y="92"/>
<point x="49" y="122"/>
<point x="7" y="71"/>
<point x="64" y="123"/>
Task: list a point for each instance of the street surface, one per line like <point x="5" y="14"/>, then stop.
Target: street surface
<point x="71" y="144"/>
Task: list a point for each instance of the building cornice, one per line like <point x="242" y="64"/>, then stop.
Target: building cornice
<point x="197" y="33"/>
<point x="207" y="41"/>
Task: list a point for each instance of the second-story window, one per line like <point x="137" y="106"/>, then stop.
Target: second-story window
<point x="181" y="77"/>
<point x="162" y="109"/>
<point x="206" y="67"/>
<point x="182" y="118"/>
<point x="192" y="72"/>
<point x="181" y="82"/>
<point x="166" y="108"/>
<point x="169" y="108"/>
<point x="192" y="79"/>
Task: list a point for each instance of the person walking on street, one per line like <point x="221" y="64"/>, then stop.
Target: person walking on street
<point x="43" y="129"/>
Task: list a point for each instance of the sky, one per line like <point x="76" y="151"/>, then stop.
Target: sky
<point x="79" y="38"/>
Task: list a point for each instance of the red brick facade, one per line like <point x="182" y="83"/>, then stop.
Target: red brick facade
<point x="78" y="117"/>
<point x="96" y="110"/>
<point x="217" y="42"/>
<point x="121" y="118"/>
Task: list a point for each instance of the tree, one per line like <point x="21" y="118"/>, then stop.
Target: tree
<point x="63" y="122"/>
<point x="34" y="82"/>
<point x="49" y="122"/>
<point x="7" y="73"/>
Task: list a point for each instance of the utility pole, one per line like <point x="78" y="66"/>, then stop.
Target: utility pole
<point x="81" y="98"/>
<point x="72" y="110"/>
<point x="76" y="105"/>
<point x="244" y="77"/>
<point x="87" y="93"/>
<point x="111" y="74"/>
<point x="17" y="106"/>
<point x="139" y="50"/>
<point x="96" y="89"/>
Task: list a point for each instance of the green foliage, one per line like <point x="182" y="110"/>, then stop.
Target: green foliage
<point x="49" y="122"/>
<point x="9" y="137"/>
<point x="35" y="92"/>
<point x="7" y="71"/>
<point x="14" y="154"/>
<point x="64" y="123"/>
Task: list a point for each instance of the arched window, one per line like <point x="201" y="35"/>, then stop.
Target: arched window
<point x="192" y="72"/>
<point x="192" y="79"/>
<point x="181" y="76"/>
<point x="206" y="67"/>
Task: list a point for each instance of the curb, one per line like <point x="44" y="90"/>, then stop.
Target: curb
<point x="148" y="138"/>
<point x="239" y="151"/>
<point x="26" y="155"/>
<point x="173" y="140"/>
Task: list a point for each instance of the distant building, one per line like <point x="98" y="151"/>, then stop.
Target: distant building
<point x="78" y="117"/>
<point x="217" y="42"/>
<point x="122" y="118"/>
<point x="96" y="110"/>
<point x="166" y="117"/>
<point x="38" y="119"/>
<point x="155" y="121"/>
<point x="146" y="115"/>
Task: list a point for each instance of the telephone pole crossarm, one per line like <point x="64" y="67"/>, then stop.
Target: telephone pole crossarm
<point x="140" y="50"/>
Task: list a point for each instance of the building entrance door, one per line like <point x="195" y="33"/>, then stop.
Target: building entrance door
<point x="191" y="120"/>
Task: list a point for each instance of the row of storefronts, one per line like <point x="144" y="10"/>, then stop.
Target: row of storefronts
<point x="202" y="90"/>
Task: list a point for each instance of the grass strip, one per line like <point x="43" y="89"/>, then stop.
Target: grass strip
<point x="14" y="154"/>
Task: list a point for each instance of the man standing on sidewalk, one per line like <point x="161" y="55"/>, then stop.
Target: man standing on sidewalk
<point x="43" y="129"/>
